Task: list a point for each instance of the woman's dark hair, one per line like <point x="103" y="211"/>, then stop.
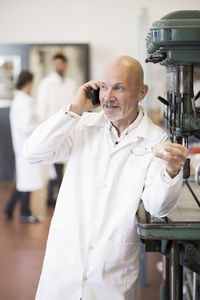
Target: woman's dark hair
<point x="24" y="77"/>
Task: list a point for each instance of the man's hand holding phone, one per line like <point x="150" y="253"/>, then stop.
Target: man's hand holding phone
<point x="87" y="98"/>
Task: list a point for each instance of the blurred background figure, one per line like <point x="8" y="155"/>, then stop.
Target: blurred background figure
<point x="6" y="80"/>
<point x="23" y="122"/>
<point x="55" y="91"/>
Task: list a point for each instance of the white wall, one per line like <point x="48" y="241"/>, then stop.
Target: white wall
<point x="110" y="26"/>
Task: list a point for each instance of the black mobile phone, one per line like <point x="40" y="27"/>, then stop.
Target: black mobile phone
<point x="95" y="96"/>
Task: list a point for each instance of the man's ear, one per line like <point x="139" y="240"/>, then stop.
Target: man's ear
<point x="143" y="91"/>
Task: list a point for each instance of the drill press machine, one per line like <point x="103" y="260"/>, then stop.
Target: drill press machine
<point x="174" y="42"/>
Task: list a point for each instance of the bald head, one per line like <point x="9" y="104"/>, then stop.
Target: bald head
<point x="130" y="66"/>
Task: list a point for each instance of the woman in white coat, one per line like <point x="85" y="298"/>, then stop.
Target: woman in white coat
<point x="23" y="122"/>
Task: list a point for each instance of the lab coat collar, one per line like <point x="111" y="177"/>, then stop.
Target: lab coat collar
<point x="144" y="130"/>
<point x="21" y="94"/>
<point x="54" y="76"/>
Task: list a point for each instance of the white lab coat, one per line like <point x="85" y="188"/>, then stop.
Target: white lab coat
<point x="53" y="93"/>
<point x="93" y="248"/>
<point x="23" y="122"/>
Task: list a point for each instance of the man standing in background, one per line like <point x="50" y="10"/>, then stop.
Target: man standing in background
<point x="54" y="92"/>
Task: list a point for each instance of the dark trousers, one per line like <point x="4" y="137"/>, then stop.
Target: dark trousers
<point x="16" y="196"/>
<point x="54" y="184"/>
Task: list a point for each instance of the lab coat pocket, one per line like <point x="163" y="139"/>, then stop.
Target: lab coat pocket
<point x="121" y="263"/>
<point x="61" y="247"/>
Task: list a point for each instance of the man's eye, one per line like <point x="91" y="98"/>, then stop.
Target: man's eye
<point x="103" y="87"/>
<point x="119" y="87"/>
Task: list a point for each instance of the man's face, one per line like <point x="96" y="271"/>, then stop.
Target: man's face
<point x="60" y="66"/>
<point x="119" y="92"/>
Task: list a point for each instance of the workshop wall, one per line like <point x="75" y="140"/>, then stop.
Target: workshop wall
<point x="112" y="27"/>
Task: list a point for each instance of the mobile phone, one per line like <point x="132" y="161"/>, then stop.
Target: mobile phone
<point x="95" y="96"/>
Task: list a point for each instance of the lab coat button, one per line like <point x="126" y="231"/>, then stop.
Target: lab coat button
<point x="85" y="278"/>
<point x="91" y="247"/>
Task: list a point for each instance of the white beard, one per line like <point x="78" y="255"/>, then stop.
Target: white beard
<point x="112" y="117"/>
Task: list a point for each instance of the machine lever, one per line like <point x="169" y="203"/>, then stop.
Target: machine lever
<point x="190" y="89"/>
<point x="186" y="169"/>
<point x="193" y="194"/>
<point x="164" y="101"/>
<point x="197" y="96"/>
<point x="193" y="107"/>
<point x="156" y="58"/>
<point x="191" y="92"/>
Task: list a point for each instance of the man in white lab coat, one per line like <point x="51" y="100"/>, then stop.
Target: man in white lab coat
<point x="54" y="91"/>
<point x="93" y="249"/>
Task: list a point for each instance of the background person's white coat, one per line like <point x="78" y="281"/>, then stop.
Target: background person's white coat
<point x="53" y="93"/>
<point x="23" y="122"/>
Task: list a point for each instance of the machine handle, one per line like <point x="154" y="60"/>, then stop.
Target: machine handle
<point x="164" y="101"/>
<point x="186" y="169"/>
<point x="155" y="58"/>
<point x="197" y="96"/>
<point x="191" y="93"/>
